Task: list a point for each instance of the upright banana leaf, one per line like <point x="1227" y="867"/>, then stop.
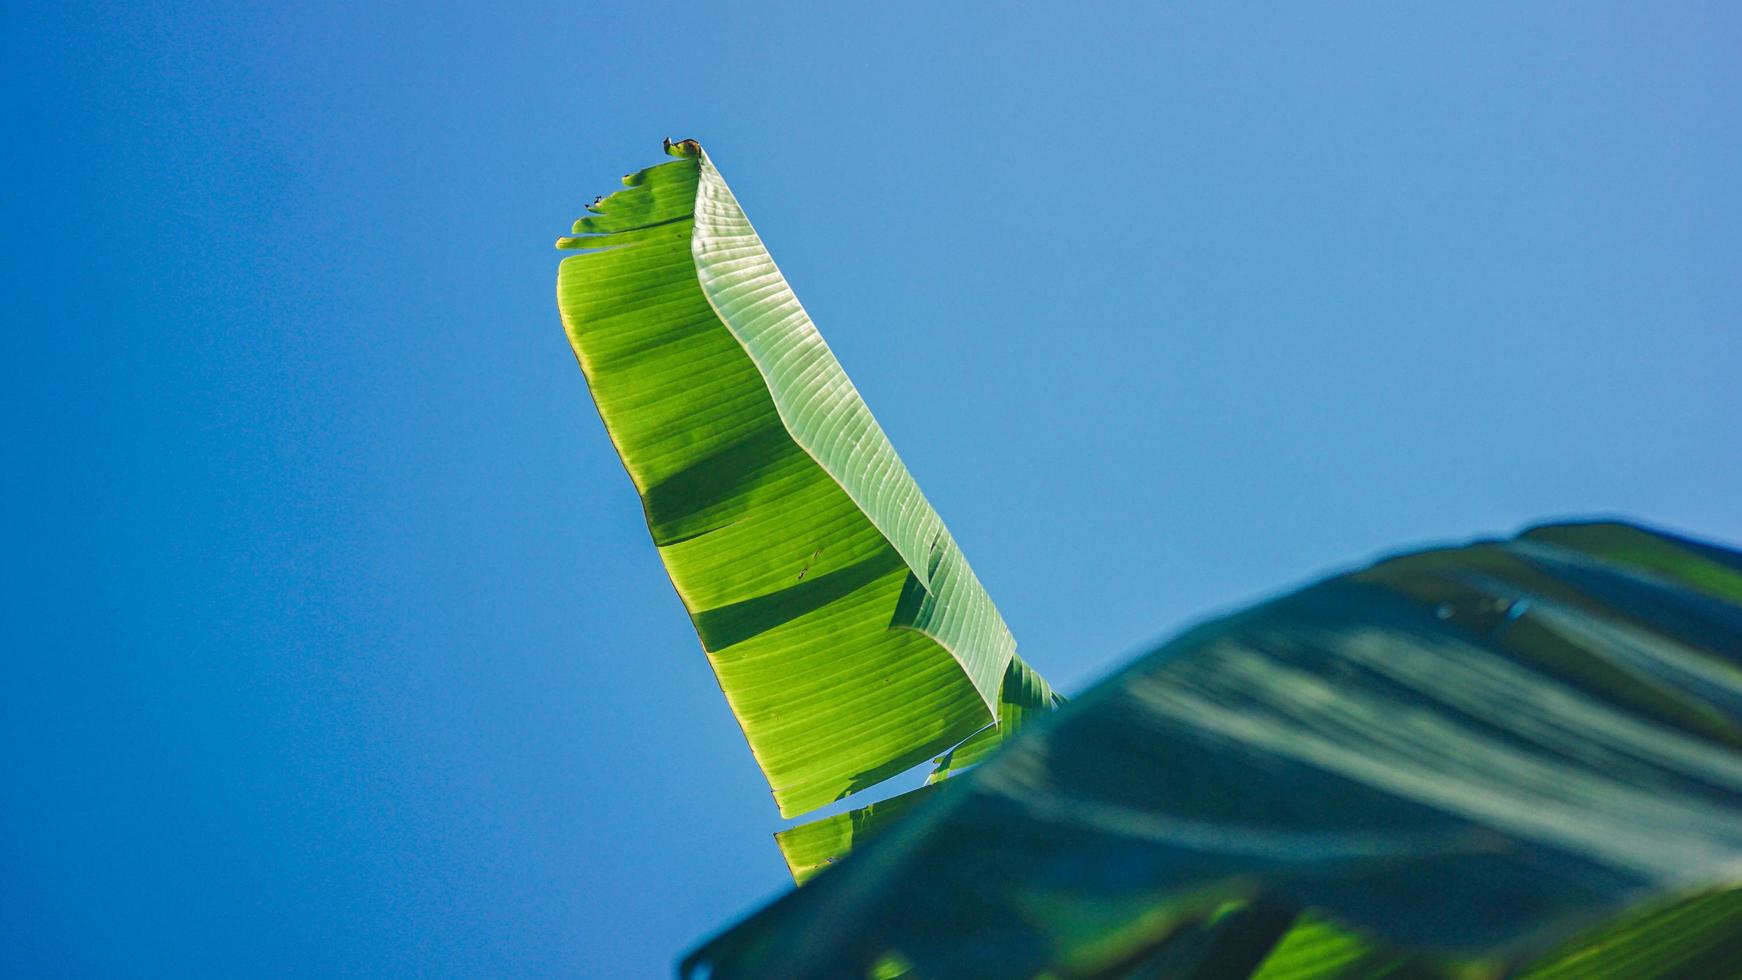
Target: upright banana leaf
<point x="847" y="631"/>
<point x="1520" y="755"/>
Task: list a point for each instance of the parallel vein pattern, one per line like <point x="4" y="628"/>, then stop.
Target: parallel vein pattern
<point x="824" y="414"/>
<point x="847" y="632"/>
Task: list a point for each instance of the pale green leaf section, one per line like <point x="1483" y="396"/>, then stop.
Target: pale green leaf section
<point x="849" y="636"/>
<point x="825" y="415"/>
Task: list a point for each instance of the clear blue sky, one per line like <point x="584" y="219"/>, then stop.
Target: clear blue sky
<point x="334" y="642"/>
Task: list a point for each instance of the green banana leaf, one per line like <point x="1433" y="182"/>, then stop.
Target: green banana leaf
<point x="848" y="633"/>
<point x="1516" y="756"/>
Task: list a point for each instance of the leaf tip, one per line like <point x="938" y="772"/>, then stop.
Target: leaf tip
<point x="682" y="148"/>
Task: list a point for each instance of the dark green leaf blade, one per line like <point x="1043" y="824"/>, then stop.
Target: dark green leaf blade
<point x="1469" y="753"/>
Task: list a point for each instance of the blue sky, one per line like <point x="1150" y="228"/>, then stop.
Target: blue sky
<point x="335" y="645"/>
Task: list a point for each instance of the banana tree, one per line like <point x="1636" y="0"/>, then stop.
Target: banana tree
<point x="1515" y="757"/>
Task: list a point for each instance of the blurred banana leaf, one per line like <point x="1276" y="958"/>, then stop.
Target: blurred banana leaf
<point x="1514" y="756"/>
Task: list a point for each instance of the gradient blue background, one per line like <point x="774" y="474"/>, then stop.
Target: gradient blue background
<point x="334" y="643"/>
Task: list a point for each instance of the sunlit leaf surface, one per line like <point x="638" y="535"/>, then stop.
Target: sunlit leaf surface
<point x="848" y="633"/>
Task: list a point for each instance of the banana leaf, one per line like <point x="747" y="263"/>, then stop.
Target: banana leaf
<point x="847" y="631"/>
<point x="1515" y="756"/>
